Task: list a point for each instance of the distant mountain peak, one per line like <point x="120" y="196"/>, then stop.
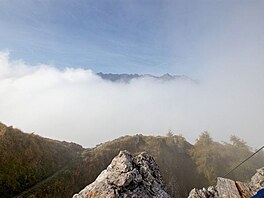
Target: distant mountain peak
<point x="126" y="78"/>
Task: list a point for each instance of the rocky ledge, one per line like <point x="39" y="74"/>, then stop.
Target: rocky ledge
<point x="232" y="189"/>
<point x="127" y="177"/>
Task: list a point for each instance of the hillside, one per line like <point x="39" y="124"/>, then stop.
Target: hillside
<point x="26" y="159"/>
<point x="32" y="166"/>
<point x="177" y="168"/>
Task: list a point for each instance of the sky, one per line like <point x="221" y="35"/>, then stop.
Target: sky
<point x="149" y="36"/>
<point x="51" y="51"/>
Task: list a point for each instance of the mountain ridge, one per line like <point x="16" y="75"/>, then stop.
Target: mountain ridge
<point x="28" y="159"/>
<point x="126" y="78"/>
<point x="87" y="164"/>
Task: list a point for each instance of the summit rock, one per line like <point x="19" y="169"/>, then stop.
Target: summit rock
<point x="127" y="177"/>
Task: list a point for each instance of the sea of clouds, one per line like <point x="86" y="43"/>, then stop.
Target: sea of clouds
<point x="77" y="105"/>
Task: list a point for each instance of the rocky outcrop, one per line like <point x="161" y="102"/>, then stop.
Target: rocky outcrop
<point x="257" y="181"/>
<point x="127" y="177"/>
<point x="232" y="189"/>
<point x="203" y="193"/>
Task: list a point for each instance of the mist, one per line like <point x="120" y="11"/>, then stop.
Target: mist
<point x="77" y="105"/>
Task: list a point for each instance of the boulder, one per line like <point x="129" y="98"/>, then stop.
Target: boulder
<point x="209" y="192"/>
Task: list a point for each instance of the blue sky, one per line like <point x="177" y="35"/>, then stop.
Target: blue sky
<point x="121" y="36"/>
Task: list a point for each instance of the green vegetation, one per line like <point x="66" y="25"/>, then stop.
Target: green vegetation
<point x="44" y="168"/>
<point x="26" y="159"/>
<point x="214" y="159"/>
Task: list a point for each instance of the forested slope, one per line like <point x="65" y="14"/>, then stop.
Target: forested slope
<point x="27" y="159"/>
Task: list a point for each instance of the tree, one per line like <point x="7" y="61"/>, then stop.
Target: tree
<point x="237" y="142"/>
<point x="170" y="133"/>
<point x="205" y="156"/>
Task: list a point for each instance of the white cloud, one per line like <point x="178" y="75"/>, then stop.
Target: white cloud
<point x="76" y="105"/>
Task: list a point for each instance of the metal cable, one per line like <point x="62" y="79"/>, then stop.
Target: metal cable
<point x="243" y="161"/>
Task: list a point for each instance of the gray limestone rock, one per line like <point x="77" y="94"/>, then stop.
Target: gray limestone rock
<point x="229" y="188"/>
<point x="203" y="193"/>
<point x="257" y="181"/>
<point x="127" y="177"/>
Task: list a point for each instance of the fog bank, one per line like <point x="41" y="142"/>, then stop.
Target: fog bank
<point x="77" y="105"/>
